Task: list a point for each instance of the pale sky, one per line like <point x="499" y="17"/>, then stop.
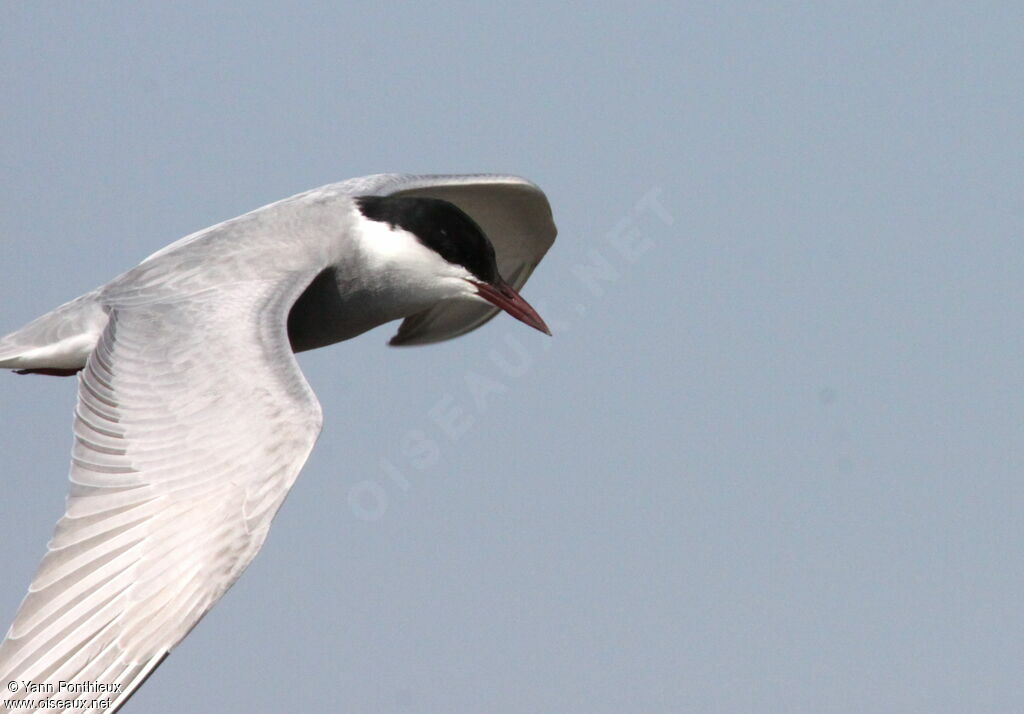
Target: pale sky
<point x="769" y="462"/>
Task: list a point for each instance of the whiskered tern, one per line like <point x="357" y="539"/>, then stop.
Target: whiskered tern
<point x="193" y="418"/>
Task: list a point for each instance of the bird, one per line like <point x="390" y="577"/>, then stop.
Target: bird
<point x="193" y="419"/>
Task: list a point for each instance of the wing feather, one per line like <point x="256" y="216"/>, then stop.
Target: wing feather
<point x="193" y="422"/>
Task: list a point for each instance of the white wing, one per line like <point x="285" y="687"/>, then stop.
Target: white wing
<point x="193" y="421"/>
<point x="513" y="212"/>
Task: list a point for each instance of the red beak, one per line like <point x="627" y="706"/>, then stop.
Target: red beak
<point x="503" y="295"/>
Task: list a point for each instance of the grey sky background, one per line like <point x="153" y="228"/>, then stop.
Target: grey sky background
<point x="770" y="461"/>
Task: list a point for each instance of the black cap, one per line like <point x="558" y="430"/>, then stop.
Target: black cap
<point x="441" y="226"/>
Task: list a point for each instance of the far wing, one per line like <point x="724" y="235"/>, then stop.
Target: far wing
<point x="193" y="421"/>
<point x="513" y="212"/>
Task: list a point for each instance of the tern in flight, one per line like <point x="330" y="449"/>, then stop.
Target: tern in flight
<point x="193" y="418"/>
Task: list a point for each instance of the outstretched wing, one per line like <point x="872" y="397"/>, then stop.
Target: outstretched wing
<point x="513" y="212"/>
<point x="193" y="421"/>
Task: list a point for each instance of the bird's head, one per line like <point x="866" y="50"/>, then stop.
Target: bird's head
<point x="437" y="252"/>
